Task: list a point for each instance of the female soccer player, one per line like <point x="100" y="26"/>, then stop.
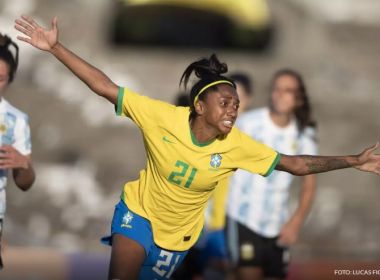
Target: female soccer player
<point x="214" y="254"/>
<point x="15" y="144"/>
<point x="260" y="230"/>
<point x="160" y="215"/>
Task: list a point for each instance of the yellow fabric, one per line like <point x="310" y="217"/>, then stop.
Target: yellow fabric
<point x="217" y="218"/>
<point x="251" y="13"/>
<point x="210" y="85"/>
<point x="173" y="189"/>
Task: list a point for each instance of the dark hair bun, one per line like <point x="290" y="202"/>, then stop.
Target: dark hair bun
<point x="209" y="67"/>
<point x="204" y="69"/>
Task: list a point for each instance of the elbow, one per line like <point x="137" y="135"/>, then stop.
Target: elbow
<point x="25" y="188"/>
<point x="292" y="164"/>
<point x="294" y="171"/>
<point x="98" y="89"/>
<point x="25" y="185"/>
<point x="103" y="88"/>
<point x="297" y="173"/>
<point x="298" y="168"/>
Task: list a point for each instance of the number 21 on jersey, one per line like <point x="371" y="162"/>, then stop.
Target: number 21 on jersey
<point x="163" y="266"/>
<point x="181" y="177"/>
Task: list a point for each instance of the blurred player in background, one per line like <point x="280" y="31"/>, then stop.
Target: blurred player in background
<point x="160" y="216"/>
<point x="15" y="143"/>
<point x="260" y="229"/>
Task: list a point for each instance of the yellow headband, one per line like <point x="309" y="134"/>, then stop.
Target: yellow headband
<point x="210" y="85"/>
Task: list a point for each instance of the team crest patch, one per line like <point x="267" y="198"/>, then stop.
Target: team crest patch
<point x="3" y="128"/>
<point x="127" y="219"/>
<point x="216" y="160"/>
<point x="247" y="251"/>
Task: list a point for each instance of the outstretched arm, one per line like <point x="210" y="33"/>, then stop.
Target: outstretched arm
<point x="301" y="165"/>
<point x="47" y="40"/>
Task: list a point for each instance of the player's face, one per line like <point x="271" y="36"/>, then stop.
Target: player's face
<point x="4" y="75"/>
<point x="285" y="96"/>
<point x="221" y="109"/>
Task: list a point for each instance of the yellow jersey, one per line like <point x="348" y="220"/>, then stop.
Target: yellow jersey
<point x="173" y="190"/>
<point x="216" y="218"/>
<point x="216" y="207"/>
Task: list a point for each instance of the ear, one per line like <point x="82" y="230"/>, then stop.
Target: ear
<point x="200" y="107"/>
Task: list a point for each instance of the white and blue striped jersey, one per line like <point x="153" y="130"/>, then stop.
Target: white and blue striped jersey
<point x="14" y="131"/>
<point x="261" y="203"/>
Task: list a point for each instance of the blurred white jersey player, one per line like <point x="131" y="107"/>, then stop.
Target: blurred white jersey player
<point x="260" y="228"/>
<point x="15" y="145"/>
<point x="260" y="202"/>
<point x="14" y="131"/>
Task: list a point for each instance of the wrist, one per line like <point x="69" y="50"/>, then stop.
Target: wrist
<point x="25" y="163"/>
<point x="55" y="48"/>
<point x="356" y="161"/>
<point x="297" y="220"/>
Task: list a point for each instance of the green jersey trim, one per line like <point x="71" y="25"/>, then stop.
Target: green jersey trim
<point x="119" y="105"/>
<point x="196" y="143"/>
<point x="272" y="167"/>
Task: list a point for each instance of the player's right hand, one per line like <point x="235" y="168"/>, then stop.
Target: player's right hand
<point x="37" y="36"/>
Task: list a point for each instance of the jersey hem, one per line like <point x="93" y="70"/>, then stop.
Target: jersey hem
<point x="158" y="244"/>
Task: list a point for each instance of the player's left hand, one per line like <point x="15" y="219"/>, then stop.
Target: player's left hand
<point x="289" y="234"/>
<point x="10" y="158"/>
<point x="369" y="161"/>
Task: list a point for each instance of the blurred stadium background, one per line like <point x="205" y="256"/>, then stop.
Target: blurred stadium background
<point x="83" y="154"/>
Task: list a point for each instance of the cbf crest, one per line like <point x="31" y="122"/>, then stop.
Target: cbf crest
<point x="216" y="160"/>
<point x="127" y="219"/>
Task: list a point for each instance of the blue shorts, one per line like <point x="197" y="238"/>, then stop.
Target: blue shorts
<point x="159" y="263"/>
<point x="211" y="246"/>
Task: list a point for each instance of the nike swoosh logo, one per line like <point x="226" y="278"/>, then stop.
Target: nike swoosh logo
<point x="167" y="140"/>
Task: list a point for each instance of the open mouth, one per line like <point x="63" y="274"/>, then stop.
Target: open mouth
<point x="228" y="124"/>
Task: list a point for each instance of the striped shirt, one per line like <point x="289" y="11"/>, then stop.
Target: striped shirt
<point x="14" y="131"/>
<point x="261" y="203"/>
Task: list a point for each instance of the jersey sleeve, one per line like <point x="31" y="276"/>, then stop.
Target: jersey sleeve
<point x="256" y="157"/>
<point x="144" y="111"/>
<point x="308" y="142"/>
<point x="22" y="141"/>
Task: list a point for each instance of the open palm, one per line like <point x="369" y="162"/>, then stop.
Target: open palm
<point x="36" y="35"/>
<point x="369" y="161"/>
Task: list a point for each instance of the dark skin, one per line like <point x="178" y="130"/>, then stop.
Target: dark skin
<point x="127" y="256"/>
<point x="216" y="115"/>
